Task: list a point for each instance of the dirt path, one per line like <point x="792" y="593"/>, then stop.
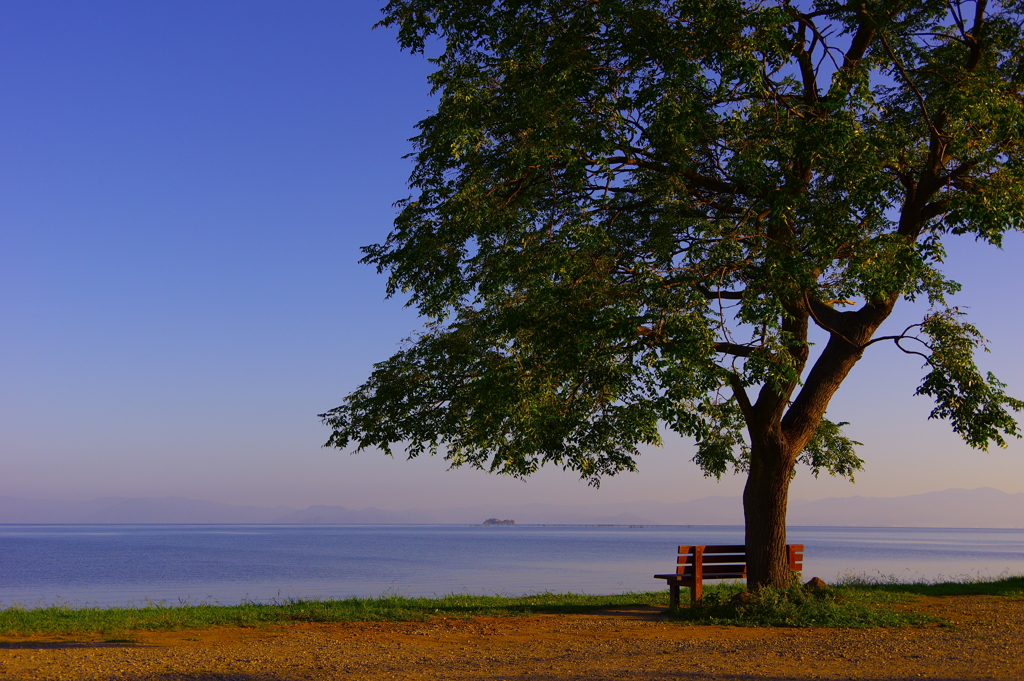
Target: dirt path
<point x="986" y="642"/>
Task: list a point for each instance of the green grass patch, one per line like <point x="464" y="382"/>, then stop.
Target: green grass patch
<point x="1012" y="587"/>
<point x="797" y="606"/>
<point x="854" y="602"/>
<point x="63" y="620"/>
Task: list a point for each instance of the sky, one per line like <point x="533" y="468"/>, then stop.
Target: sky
<point x="184" y="189"/>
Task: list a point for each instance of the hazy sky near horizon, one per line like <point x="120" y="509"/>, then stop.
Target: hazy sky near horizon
<point x="184" y="188"/>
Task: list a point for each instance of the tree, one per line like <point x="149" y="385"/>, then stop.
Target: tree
<point x="628" y="214"/>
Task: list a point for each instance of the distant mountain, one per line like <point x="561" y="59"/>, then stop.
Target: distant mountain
<point x="474" y="515"/>
<point x="142" y="511"/>
<point x="984" y="507"/>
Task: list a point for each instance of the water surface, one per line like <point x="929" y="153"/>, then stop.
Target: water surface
<point x="111" y="565"/>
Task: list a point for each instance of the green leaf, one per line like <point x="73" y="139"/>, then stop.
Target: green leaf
<point x="976" y="406"/>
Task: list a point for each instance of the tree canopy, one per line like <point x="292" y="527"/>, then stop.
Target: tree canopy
<point x="627" y="215"/>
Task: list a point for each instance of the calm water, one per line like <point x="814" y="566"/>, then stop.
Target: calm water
<point x="126" y="564"/>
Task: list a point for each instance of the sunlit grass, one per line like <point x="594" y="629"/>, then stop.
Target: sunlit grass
<point x="855" y="601"/>
<point x="964" y="585"/>
<point x="67" y="620"/>
<point x="796" y="606"/>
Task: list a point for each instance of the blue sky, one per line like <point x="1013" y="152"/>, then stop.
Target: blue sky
<point x="184" y="188"/>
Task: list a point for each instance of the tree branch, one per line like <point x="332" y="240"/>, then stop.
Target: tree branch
<point x="715" y="295"/>
<point x="742" y="398"/>
<point x="859" y="45"/>
<point x="715" y="185"/>
<point x="826" y="317"/>
<point x="979" y="19"/>
<point x="903" y="336"/>
<point x="807" y="75"/>
<point x="913" y="86"/>
<point x="734" y="349"/>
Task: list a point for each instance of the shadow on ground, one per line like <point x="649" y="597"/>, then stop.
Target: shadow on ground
<point x="61" y="645"/>
<point x="608" y="676"/>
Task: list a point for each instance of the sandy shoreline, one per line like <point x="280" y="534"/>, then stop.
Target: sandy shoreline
<point x="986" y="641"/>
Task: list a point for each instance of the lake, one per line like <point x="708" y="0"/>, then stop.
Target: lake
<point x="126" y="565"/>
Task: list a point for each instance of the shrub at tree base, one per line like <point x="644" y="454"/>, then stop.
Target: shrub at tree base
<point x="798" y="606"/>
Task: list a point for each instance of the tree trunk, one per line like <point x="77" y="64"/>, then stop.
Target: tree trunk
<point x="778" y="432"/>
<point x="765" y="499"/>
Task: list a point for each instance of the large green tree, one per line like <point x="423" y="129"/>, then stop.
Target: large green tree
<point x="627" y="215"/>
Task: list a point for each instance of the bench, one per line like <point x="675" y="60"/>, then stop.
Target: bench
<point x="697" y="563"/>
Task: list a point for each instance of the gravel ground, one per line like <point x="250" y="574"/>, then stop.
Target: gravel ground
<point x="985" y="641"/>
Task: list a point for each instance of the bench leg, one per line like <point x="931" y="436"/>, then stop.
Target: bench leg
<point x="697" y="588"/>
<point x="697" y="581"/>
<point x="673" y="596"/>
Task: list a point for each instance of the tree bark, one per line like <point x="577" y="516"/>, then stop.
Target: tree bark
<point x="765" y="500"/>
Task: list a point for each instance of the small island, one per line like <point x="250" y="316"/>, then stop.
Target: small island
<point x="495" y="521"/>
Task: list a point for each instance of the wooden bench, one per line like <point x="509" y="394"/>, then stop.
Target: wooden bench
<point x="697" y="563"/>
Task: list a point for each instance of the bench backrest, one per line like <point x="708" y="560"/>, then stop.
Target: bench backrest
<point x="727" y="562"/>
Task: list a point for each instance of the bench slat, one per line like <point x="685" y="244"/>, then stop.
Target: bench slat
<point x="712" y="571"/>
<point x="688" y="559"/>
<point x="736" y="548"/>
<point x="734" y="565"/>
<point x="683" y="578"/>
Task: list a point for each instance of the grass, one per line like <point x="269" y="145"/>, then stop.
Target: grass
<point x="64" y="620"/>
<point x="1012" y="587"/>
<point x="796" y="606"/>
<point x="854" y="602"/>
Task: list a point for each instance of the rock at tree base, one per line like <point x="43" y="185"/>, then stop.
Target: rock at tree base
<point x="815" y="584"/>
